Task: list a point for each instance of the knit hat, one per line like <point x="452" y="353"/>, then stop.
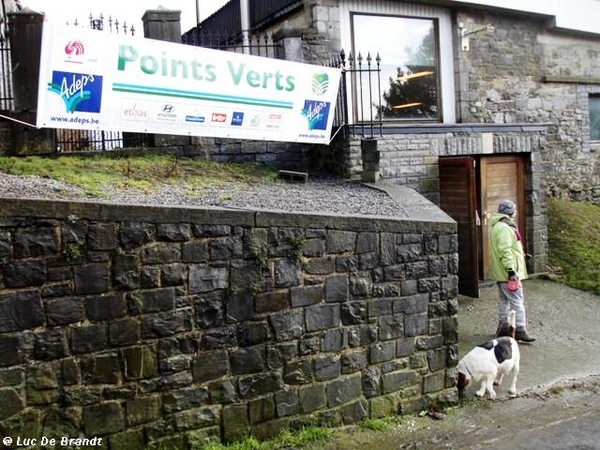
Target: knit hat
<point x="507" y="207"/>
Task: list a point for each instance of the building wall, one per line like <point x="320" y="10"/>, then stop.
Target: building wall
<point x="412" y="159"/>
<point x="135" y="324"/>
<point x="6" y="138"/>
<point x="524" y="72"/>
<point x="527" y="72"/>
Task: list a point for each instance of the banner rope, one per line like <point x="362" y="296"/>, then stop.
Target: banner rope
<point x="20" y="121"/>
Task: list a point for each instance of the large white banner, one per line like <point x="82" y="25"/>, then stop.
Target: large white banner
<point x="98" y="81"/>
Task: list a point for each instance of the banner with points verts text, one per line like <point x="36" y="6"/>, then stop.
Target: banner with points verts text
<point x="97" y="81"/>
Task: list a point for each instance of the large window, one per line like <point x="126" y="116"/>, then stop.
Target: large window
<point x="409" y="67"/>
<point x="595" y="117"/>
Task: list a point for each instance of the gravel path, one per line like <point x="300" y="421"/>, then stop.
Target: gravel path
<point x="333" y="196"/>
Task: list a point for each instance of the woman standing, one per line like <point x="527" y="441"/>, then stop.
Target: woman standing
<point x="508" y="268"/>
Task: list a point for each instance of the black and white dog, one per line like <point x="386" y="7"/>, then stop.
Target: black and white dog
<point x="488" y="363"/>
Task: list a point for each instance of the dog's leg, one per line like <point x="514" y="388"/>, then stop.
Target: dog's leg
<point x="498" y="380"/>
<point x="489" y="381"/>
<point x="512" y="390"/>
<point x="487" y="384"/>
<point x="481" y="391"/>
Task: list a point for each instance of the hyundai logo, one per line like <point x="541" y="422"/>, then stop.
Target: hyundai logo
<point x="167" y="108"/>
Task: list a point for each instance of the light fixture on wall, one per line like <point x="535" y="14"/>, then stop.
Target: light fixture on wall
<point x="464" y="34"/>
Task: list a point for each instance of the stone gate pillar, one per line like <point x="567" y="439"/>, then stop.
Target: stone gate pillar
<point x="164" y="25"/>
<point x="288" y="41"/>
<point x="25" y="48"/>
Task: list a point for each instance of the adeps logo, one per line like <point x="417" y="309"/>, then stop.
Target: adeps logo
<point x="316" y="112"/>
<point x="320" y="83"/>
<point x="79" y="92"/>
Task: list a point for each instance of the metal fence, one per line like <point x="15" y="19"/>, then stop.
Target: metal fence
<point x="227" y="20"/>
<point x="223" y="30"/>
<point x="99" y="140"/>
<point x="358" y="107"/>
<point x="111" y="25"/>
<point x="258" y="44"/>
<point x="6" y="84"/>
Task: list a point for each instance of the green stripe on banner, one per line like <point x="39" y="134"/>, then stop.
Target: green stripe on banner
<point x="176" y="93"/>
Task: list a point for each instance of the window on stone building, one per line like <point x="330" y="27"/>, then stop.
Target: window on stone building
<point x="409" y="66"/>
<point x="595" y="117"/>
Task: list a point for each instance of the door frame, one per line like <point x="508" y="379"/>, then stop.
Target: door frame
<point x="488" y="206"/>
<point x="473" y="227"/>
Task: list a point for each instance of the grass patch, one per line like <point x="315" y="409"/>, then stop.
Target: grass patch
<point x="574" y="243"/>
<point x="286" y="439"/>
<point x="378" y="424"/>
<point x="93" y="173"/>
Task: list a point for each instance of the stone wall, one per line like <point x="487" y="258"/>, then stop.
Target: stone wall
<point x="410" y="158"/>
<point x="166" y="325"/>
<point x="6" y="138"/>
<point x="282" y="155"/>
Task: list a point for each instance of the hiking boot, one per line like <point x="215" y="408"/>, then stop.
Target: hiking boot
<point x="502" y="330"/>
<point x="522" y="335"/>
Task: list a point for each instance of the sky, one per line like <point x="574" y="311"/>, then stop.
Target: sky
<point x="127" y="11"/>
<point x="572" y="14"/>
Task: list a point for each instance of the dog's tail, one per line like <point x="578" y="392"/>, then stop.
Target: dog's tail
<point x="512" y="323"/>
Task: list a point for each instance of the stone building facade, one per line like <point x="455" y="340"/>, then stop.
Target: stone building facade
<point x="168" y="326"/>
<point x="525" y="72"/>
<point x="529" y="72"/>
<point x="518" y="76"/>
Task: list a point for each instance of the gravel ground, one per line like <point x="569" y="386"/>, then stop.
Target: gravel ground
<point x="326" y="195"/>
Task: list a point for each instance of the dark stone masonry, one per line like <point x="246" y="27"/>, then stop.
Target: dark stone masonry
<point x="149" y="326"/>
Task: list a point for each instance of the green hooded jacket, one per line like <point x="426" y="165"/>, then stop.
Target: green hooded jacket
<point x="506" y="249"/>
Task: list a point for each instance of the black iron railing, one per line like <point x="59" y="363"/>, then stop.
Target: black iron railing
<point x="223" y="29"/>
<point x="227" y="20"/>
<point x="6" y="82"/>
<point x="111" y="25"/>
<point x="359" y="97"/>
<point x="260" y="44"/>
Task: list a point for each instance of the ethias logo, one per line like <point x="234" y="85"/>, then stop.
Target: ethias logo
<point x="320" y="83"/>
<point x="316" y="113"/>
<point x="80" y="92"/>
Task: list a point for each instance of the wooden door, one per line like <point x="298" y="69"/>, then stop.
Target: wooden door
<point x="502" y="177"/>
<point x="459" y="200"/>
